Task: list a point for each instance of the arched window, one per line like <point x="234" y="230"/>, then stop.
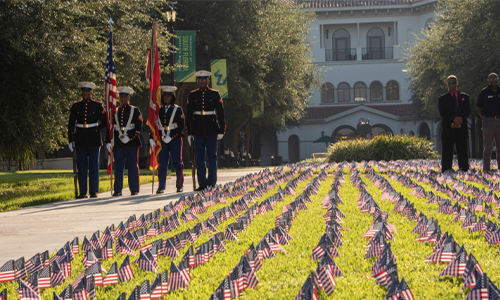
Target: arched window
<point x="428" y="23"/>
<point x="376" y="93"/>
<point x="344" y="92"/>
<point x="392" y="90"/>
<point x="375" y="40"/>
<point x="341" y="45"/>
<point x="327" y="92"/>
<point x="360" y="91"/>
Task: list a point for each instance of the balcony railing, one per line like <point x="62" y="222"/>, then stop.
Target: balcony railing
<point x="340" y="55"/>
<point x="377" y="53"/>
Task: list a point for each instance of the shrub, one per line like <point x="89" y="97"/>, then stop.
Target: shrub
<point x="382" y="147"/>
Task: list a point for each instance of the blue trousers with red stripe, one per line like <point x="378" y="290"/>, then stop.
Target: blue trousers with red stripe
<point x="206" y="145"/>
<point x="87" y="160"/>
<point x="131" y="155"/>
<point x="174" y="150"/>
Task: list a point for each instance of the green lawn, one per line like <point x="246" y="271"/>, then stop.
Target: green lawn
<point x="28" y="188"/>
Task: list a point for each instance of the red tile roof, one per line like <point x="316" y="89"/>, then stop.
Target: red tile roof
<point x="349" y="3"/>
<point x="315" y="113"/>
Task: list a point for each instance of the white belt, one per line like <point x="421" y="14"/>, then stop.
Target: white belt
<point x="171" y="127"/>
<point x="204" y="113"/>
<point x="132" y="126"/>
<point x="87" y="125"/>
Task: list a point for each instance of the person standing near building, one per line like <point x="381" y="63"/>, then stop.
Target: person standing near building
<point x="454" y="108"/>
<point x="205" y="125"/>
<point x="128" y="125"/>
<point x="86" y="119"/>
<point x="488" y="108"/>
<point x="171" y="127"/>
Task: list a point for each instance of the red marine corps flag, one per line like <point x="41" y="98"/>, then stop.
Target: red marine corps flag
<point x="153" y="76"/>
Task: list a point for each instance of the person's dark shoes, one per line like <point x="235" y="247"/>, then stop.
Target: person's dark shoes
<point x="116" y="194"/>
<point x="160" y="191"/>
<point x="199" y="189"/>
<point x="82" y="196"/>
<point x="134" y="193"/>
<point x="180" y="189"/>
<point x="94" y="195"/>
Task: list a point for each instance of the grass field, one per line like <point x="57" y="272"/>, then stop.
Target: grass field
<point x="28" y="188"/>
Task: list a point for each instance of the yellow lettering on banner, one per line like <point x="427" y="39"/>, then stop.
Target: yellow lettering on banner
<point x="185" y="43"/>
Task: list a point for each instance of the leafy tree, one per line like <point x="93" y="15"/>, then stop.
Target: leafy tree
<point x="47" y="47"/>
<point x="267" y="51"/>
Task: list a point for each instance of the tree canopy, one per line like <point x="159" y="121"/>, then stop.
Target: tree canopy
<point x="462" y="41"/>
<point x="47" y="47"/>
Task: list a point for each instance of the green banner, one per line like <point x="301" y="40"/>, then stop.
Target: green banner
<point x="219" y="76"/>
<point x="185" y="57"/>
<point x="258" y="111"/>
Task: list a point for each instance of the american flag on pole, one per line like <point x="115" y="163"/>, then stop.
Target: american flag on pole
<point x="3" y="294"/>
<point x="177" y="279"/>
<point x="7" y="271"/>
<point x="32" y="282"/>
<point x="80" y="291"/>
<point x="112" y="276"/>
<point x="21" y="269"/>
<point x="67" y="294"/>
<point x="33" y="265"/>
<point x="25" y="292"/>
<point x="308" y="291"/>
<point x="44" y="278"/>
<point x="90" y="287"/>
<point x="57" y="276"/>
<point x="145" y="292"/>
<point x="156" y="288"/>
<point x="125" y="272"/>
<point x="153" y="76"/>
<point x="110" y="88"/>
<point x="95" y="271"/>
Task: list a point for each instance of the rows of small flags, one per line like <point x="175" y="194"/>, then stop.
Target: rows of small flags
<point x="446" y="249"/>
<point x="326" y="249"/>
<point x="380" y="232"/>
<point x="243" y="275"/>
<point x="40" y="271"/>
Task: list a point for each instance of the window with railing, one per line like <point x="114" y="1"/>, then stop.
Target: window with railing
<point x="377" y="53"/>
<point x="340" y="55"/>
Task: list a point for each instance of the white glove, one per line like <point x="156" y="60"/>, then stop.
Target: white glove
<point x="220" y="136"/>
<point x="167" y="140"/>
<point x="70" y="146"/>
<point x="190" y="139"/>
<point x="152" y="144"/>
<point x="108" y="146"/>
<point x="125" y="140"/>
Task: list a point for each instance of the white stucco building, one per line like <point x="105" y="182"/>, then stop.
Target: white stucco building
<point x="358" y="46"/>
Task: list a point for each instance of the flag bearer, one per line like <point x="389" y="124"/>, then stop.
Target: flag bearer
<point x="128" y="125"/>
<point x="86" y="119"/>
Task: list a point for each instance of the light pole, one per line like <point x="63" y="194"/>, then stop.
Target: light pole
<point x="206" y="50"/>
<point x="171" y="14"/>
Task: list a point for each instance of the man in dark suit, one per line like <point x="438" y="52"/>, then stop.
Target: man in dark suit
<point x="86" y="119"/>
<point x="454" y="108"/>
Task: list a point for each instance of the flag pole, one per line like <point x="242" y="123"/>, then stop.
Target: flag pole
<point x="154" y="167"/>
<point x="110" y="120"/>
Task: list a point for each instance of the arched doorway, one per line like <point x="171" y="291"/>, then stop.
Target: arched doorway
<point x="379" y="129"/>
<point x="345" y="132"/>
<point x="293" y="149"/>
<point x="424" y="131"/>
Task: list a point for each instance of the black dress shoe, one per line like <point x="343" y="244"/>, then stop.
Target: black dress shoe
<point x="199" y="189"/>
<point x="160" y="191"/>
<point x="134" y="193"/>
<point x="116" y="194"/>
<point x="93" y="195"/>
<point x="82" y="197"/>
<point x="180" y="189"/>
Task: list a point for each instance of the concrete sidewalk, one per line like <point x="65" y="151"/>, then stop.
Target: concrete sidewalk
<point x="26" y="231"/>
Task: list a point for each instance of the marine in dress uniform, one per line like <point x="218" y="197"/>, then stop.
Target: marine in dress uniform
<point x="171" y="125"/>
<point x="128" y="125"/>
<point x="86" y="119"/>
<point x="205" y="125"/>
<point x="454" y="108"/>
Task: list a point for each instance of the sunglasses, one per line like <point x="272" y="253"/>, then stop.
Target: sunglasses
<point x="452" y="83"/>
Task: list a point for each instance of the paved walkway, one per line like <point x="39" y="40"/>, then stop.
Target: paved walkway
<point x="26" y="231"/>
